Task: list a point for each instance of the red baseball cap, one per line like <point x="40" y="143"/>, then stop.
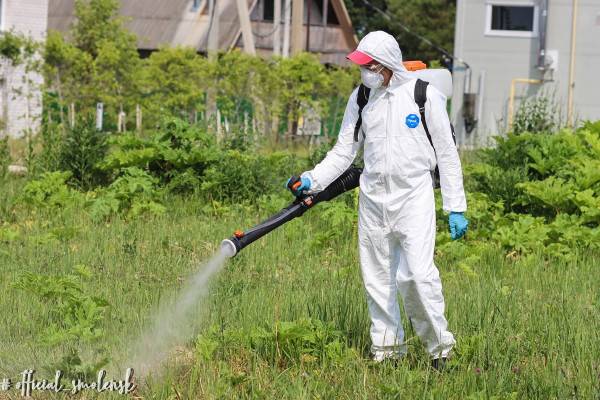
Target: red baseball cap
<point x="358" y="57"/>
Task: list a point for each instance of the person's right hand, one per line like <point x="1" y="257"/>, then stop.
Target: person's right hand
<point x="297" y="185"/>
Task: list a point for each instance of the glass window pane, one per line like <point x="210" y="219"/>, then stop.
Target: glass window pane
<point x="268" y="10"/>
<point x="512" y="18"/>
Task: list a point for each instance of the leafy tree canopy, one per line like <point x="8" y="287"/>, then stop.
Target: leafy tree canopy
<point x="433" y="19"/>
<point x="99" y="64"/>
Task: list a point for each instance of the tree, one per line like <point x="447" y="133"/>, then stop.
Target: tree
<point x="302" y="82"/>
<point x="433" y="19"/>
<point x="18" y="50"/>
<point x="15" y="48"/>
<point x="99" y="64"/>
<point x="174" y="81"/>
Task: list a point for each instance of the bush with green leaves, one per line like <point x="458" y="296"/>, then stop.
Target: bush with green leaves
<point x="177" y="147"/>
<point x="4" y="157"/>
<point x="96" y="61"/>
<point x="304" y="340"/>
<point x="50" y="190"/>
<point x="77" y="149"/>
<point x="16" y="48"/>
<point x="339" y="221"/>
<point x="538" y="114"/>
<point x="542" y="192"/>
<point x="133" y="193"/>
<point x="238" y="176"/>
<point x="50" y="139"/>
<point x="76" y="319"/>
<point x="83" y="147"/>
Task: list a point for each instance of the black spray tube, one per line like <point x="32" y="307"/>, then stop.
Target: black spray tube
<point x="345" y="182"/>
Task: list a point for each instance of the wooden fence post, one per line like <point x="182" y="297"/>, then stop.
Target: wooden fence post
<point x="121" y="121"/>
<point x="138" y="118"/>
<point x="72" y="115"/>
<point x="219" y="133"/>
<point x="99" y="116"/>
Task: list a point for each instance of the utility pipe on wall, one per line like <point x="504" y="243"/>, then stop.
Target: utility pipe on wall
<point x="511" y="101"/>
<point x="572" y="65"/>
<point x="542" y="61"/>
<point x="480" y="95"/>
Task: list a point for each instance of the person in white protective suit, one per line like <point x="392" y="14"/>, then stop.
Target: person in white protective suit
<point x="396" y="219"/>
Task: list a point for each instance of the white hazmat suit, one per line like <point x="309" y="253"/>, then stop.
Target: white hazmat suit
<point x="396" y="220"/>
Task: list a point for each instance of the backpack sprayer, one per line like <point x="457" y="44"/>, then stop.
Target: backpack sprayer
<point x="240" y="239"/>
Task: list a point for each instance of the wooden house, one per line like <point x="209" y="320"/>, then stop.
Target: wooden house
<point x="215" y="24"/>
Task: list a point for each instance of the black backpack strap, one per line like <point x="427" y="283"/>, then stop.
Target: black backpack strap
<point x="421" y="99"/>
<point x="362" y="98"/>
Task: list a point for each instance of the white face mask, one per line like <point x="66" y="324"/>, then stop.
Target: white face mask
<point x="371" y="79"/>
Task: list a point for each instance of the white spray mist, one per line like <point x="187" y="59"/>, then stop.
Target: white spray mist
<point x="174" y="322"/>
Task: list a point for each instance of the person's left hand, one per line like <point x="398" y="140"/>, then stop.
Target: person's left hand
<point x="458" y="225"/>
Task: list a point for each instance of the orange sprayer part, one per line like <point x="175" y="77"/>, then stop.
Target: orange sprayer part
<point x="414" y="65"/>
<point x="238" y="234"/>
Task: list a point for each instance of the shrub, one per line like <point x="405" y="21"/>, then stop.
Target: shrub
<point x="133" y="192"/>
<point x="50" y="191"/>
<point x="304" y="340"/>
<point x="51" y="139"/>
<point x="4" y="157"/>
<point x="240" y="176"/>
<point x="82" y="149"/>
<point x="76" y="317"/>
<point x="340" y="223"/>
<point x="500" y="185"/>
<point x="539" y="114"/>
<point x="319" y="152"/>
<point x="548" y="184"/>
<point x="176" y="148"/>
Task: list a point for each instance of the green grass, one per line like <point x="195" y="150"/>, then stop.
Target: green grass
<point x="526" y="328"/>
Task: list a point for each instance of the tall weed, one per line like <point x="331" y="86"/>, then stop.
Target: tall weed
<point x="76" y="318"/>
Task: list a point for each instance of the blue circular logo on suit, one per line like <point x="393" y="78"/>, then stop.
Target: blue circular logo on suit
<point x="412" y="120"/>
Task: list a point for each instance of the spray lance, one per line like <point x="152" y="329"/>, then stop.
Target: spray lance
<point x="240" y="239"/>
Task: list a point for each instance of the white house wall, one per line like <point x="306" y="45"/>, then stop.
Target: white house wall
<point x="21" y="103"/>
<point x="587" y="68"/>
<point x="505" y="58"/>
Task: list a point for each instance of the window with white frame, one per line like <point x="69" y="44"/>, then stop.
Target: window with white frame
<point x="516" y="19"/>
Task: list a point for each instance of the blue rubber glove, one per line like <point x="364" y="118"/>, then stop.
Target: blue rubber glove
<point x="458" y="225"/>
<point x="305" y="184"/>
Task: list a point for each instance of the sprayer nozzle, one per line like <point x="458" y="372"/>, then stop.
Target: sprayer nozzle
<point x="228" y="248"/>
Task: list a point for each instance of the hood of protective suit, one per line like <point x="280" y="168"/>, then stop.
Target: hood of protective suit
<point x="383" y="47"/>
